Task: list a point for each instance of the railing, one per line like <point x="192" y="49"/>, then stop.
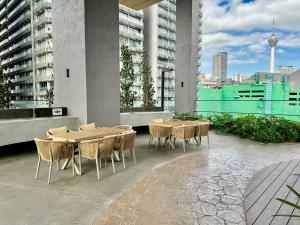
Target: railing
<point x="289" y="109"/>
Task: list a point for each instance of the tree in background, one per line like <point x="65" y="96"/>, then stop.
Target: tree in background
<point x="49" y="97"/>
<point x="5" y="88"/>
<point x="147" y="82"/>
<point x="127" y="76"/>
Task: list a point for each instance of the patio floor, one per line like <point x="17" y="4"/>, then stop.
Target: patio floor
<point x="168" y="187"/>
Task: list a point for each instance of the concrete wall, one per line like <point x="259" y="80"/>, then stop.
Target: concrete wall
<point x="23" y="130"/>
<point x="139" y="119"/>
<point x="294" y="79"/>
<point x="187" y="23"/>
<point x="69" y="52"/>
<point x="151" y="41"/>
<point x="86" y="40"/>
<point x="102" y="61"/>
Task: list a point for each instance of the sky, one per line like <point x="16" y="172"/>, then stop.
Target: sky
<point x="242" y="28"/>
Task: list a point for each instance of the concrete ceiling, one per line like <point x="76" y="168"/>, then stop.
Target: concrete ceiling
<point x="138" y="4"/>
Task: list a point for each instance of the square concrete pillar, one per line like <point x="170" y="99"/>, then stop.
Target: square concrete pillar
<point x="187" y="26"/>
<point x="86" y="59"/>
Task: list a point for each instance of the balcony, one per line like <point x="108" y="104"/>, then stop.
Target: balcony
<point x="20" y="7"/>
<point x="22" y="31"/>
<point x="44" y="78"/>
<point x="41" y="36"/>
<point x="23" y="79"/>
<point x="16" y="58"/>
<point x="126" y="33"/>
<point x="21" y="18"/>
<point x="3" y="32"/>
<point x="130" y="22"/>
<point x="42" y="20"/>
<point x="42" y="5"/>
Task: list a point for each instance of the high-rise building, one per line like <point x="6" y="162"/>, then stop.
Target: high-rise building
<point x="238" y="78"/>
<point x="220" y="67"/>
<point x="131" y="34"/>
<point x="26" y="49"/>
<point x="160" y="44"/>
<point x="286" y="69"/>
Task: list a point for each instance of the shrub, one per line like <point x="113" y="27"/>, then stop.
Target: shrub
<point x="268" y="129"/>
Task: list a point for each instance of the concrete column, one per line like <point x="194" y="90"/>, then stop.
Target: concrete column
<point x="86" y="59"/>
<point x="187" y="25"/>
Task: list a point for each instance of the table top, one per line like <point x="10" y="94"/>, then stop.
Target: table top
<point x="77" y="136"/>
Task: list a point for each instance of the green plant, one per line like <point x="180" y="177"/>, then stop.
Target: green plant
<point x="147" y="82"/>
<point x="49" y="97"/>
<point x="291" y="204"/>
<point x="127" y="78"/>
<point x="187" y="116"/>
<point x="5" y="88"/>
<point x="268" y="129"/>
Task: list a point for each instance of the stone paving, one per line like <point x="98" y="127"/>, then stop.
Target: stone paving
<point x="204" y="188"/>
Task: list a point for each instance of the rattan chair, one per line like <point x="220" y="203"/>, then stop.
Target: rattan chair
<point x="90" y="126"/>
<point x="49" y="150"/>
<point x="159" y="131"/>
<point x="124" y="127"/>
<point x="184" y="133"/>
<point x="58" y="130"/>
<point x="126" y="143"/>
<point x="157" y="121"/>
<point x="97" y="149"/>
<point x="202" y="131"/>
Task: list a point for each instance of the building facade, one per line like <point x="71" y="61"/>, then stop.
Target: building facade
<point x="160" y="43"/>
<point x="219" y="70"/>
<point x="26" y="50"/>
<point x="131" y="34"/>
<point x="287" y="70"/>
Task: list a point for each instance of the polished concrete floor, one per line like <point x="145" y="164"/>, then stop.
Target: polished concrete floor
<point x="201" y="186"/>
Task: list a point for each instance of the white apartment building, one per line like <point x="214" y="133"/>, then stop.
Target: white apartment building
<point x="219" y="70"/>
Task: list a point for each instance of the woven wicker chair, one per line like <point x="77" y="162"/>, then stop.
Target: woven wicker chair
<point x="184" y="133"/>
<point x="97" y="149"/>
<point x="124" y="127"/>
<point x="202" y="131"/>
<point x="126" y="143"/>
<point x="159" y="131"/>
<point x="157" y="121"/>
<point x="58" y="130"/>
<point x="49" y="150"/>
<point x="90" y="126"/>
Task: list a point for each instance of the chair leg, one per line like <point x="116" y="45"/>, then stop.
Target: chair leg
<point x="123" y="159"/>
<point x="208" y="139"/>
<point x="50" y="169"/>
<point x="156" y="146"/>
<point x="105" y="161"/>
<point x="100" y="162"/>
<point x="79" y="162"/>
<point x="183" y="145"/>
<point x="73" y="169"/>
<point x="58" y="165"/>
<point x="38" y="168"/>
<point x="134" y="158"/>
<point x="97" y="166"/>
<point x="150" y="141"/>
<point x="113" y="163"/>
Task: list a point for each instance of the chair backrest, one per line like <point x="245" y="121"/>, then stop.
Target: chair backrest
<point x="90" y="126"/>
<point x="89" y="149"/>
<point x="204" y="128"/>
<point x="124" y="127"/>
<point x="184" y="132"/>
<point x="164" y="131"/>
<point x="127" y="140"/>
<point x="153" y="129"/>
<point x="55" y="150"/>
<point x="106" y="145"/>
<point x="58" y="130"/>
<point x="157" y="121"/>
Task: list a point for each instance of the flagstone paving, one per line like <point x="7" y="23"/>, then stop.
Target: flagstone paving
<point x="204" y="188"/>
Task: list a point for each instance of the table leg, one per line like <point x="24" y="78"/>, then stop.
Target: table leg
<point x="117" y="156"/>
<point x="76" y="165"/>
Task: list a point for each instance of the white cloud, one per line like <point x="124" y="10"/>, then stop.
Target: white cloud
<point x="280" y="51"/>
<point x="254" y="15"/>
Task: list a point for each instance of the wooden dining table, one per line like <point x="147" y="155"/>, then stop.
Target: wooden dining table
<point x="84" y="135"/>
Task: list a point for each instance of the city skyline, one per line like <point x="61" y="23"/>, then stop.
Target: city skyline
<point x="245" y="38"/>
